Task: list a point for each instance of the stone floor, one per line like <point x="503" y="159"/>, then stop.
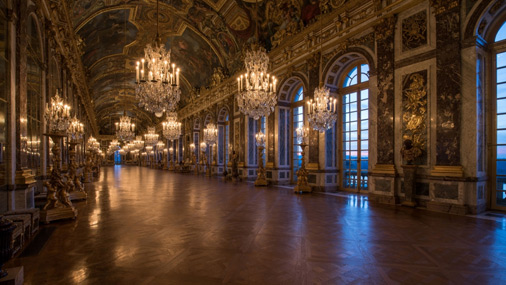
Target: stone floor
<point x="145" y="226"/>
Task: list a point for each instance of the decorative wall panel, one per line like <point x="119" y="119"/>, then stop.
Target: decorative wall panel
<point x="414" y="31"/>
<point x="448" y="103"/>
<point x="385" y="53"/>
<point x="414" y="111"/>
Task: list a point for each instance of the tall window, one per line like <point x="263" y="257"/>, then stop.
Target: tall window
<point x="297" y="122"/>
<point x="355" y="103"/>
<point x="34" y="95"/>
<point x="499" y="122"/>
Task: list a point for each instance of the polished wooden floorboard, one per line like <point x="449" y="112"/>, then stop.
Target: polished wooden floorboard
<point x="146" y="226"/>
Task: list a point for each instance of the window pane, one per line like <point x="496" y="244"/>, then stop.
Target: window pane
<point x="501" y="152"/>
<point x="365" y="73"/>
<point x="364" y="125"/>
<point x="353" y="116"/>
<point x="501" y="75"/>
<point x="501" y="106"/>
<point x="501" y="90"/>
<point x="501" y="168"/>
<point x="364" y="135"/>
<point x="501" y="34"/>
<point x="501" y="137"/>
<point x="353" y="97"/>
<point x="353" y="145"/>
<point x="353" y="126"/>
<point x="364" y="145"/>
<point x="353" y="136"/>
<point x="364" y="115"/>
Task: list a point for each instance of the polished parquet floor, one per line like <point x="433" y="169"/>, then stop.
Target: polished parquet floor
<point x="146" y="226"/>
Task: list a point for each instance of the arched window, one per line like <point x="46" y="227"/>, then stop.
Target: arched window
<point x="499" y="119"/>
<point x="355" y="126"/>
<point x="297" y="122"/>
<point x="34" y="95"/>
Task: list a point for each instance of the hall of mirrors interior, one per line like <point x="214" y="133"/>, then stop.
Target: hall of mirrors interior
<point x="403" y="102"/>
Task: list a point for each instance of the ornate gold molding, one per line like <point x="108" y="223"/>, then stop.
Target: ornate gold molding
<point x="384" y="169"/>
<point x="451" y="171"/>
<point x="441" y="6"/>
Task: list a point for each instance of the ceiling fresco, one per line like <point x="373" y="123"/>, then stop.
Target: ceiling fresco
<point x="204" y="35"/>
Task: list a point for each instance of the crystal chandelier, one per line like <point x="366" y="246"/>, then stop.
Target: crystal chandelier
<point x="160" y="145"/>
<point x="151" y="138"/>
<point x="157" y="79"/>
<point x="93" y="144"/>
<point x="138" y="142"/>
<point x="322" y="112"/>
<point x="125" y="129"/>
<point x="171" y="127"/>
<point x="57" y="115"/>
<point x="210" y="134"/>
<point x="76" y="129"/>
<point x="257" y="89"/>
<point x="113" y="147"/>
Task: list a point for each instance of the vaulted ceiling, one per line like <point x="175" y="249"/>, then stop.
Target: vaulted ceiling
<point x="203" y="35"/>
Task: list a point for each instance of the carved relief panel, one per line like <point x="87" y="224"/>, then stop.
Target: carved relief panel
<point x="414" y="31"/>
<point x="414" y="111"/>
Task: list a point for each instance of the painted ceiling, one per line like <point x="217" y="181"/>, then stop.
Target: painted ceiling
<point x="203" y="35"/>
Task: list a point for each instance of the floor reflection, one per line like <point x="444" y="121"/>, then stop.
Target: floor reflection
<point x="147" y="226"/>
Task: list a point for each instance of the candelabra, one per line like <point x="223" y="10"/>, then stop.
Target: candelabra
<point x="159" y="149"/>
<point x="76" y="130"/>
<point x="260" y="142"/>
<point x="171" y="160"/>
<point x="58" y="205"/>
<point x="204" y="160"/>
<point x="256" y="88"/>
<point x="210" y="137"/>
<point x="158" y="88"/>
<point x="302" y="185"/>
<point x="322" y="112"/>
<point x="194" y="158"/>
<point x="125" y="129"/>
<point x="57" y="116"/>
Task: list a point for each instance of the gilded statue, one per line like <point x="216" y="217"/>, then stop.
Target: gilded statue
<point x="52" y="201"/>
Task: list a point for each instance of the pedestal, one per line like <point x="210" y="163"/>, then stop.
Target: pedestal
<point x="15" y="276"/>
<point x="302" y="184"/>
<point x="47" y="216"/>
<point x="88" y="177"/>
<point x="409" y="185"/>
<point x="261" y="180"/>
<point x="77" y="195"/>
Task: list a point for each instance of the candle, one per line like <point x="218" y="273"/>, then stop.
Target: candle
<point x="238" y="84"/>
<point x="177" y="77"/>
<point x="137" y="72"/>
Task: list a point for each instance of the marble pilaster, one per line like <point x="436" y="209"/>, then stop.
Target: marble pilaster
<point x="448" y="56"/>
<point x="385" y="98"/>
